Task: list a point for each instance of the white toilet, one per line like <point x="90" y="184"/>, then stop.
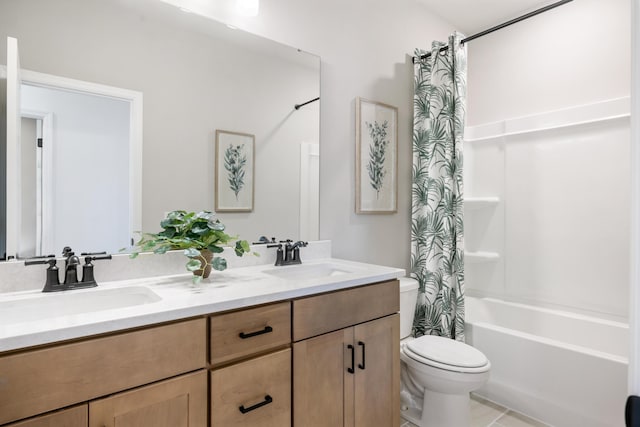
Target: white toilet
<point x="437" y="373"/>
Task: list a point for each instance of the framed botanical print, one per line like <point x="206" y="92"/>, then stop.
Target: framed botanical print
<point x="376" y="157"/>
<point x="234" y="171"/>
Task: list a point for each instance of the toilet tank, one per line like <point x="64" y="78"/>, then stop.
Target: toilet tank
<point x="408" y="297"/>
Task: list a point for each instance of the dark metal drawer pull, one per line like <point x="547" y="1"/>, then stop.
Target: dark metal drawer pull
<point x="351" y="370"/>
<point x="267" y="399"/>
<point x="266" y="330"/>
<point x="361" y="365"/>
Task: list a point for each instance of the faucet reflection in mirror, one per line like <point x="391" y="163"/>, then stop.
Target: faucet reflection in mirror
<point x="85" y="141"/>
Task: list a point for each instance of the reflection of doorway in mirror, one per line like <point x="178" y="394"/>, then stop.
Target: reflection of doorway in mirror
<point x="31" y="189"/>
<point x="84" y="189"/>
<point x="85" y="173"/>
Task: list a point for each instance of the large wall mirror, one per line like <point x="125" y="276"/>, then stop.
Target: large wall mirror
<point x="196" y="76"/>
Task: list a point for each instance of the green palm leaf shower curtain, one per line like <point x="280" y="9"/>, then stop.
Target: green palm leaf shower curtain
<point x="437" y="250"/>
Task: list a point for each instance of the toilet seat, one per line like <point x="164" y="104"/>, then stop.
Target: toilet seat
<point x="447" y="354"/>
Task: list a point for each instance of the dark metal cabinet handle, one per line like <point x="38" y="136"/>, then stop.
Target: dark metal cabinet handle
<point x="266" y="330"/>
<point x="361" y="365"/>
<point x="267" y="399"/>
<point x="352" y="370"/>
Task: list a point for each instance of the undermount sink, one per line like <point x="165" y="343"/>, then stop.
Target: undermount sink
<point x="66" y="303"/>
<point x="309" y="271"/>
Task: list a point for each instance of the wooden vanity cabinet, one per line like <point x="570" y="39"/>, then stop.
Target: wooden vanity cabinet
<point x="36" y="381"/>
<point x="250" y="354"/>
<point x="78" y="416"/>
<point x="346" y="358"/>
<point x="234" y="368"/>
<point x="177" y="402"/>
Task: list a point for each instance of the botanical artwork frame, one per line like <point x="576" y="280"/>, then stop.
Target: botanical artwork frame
<point x="376" y="157"/>
<point x="234" y="171"/>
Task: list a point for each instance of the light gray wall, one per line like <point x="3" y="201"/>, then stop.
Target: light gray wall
<point x="576" y="54"/>
<point x="366" y="48"/>
<point x="183" y="103"/>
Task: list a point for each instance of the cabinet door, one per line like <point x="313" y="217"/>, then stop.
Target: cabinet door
<point x="178" y="402"/>
<point x="377" y="379"/>
<point x="321" y="379"/>
<point x="72" y="417"/>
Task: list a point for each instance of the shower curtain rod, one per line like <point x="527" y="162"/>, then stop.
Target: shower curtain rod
<point x="297" y="106"/>
<point x="500" y="26"/>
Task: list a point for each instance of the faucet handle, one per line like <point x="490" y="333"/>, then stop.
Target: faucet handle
<point x="88" y="280"/>
<point x="67" y="251"/>
<point x="41" y="260"/>
<point x="295" y="257"/>
<point x="279" y="253"/>
<point x="98" y="256"/>
<point x="52" y="283"/>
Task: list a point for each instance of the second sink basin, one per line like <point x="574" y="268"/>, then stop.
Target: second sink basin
<point x="309" y="271"/>
<point x="43" y="306"/>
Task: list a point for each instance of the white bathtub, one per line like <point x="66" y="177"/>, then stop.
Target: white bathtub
<point x="565" y="369"/>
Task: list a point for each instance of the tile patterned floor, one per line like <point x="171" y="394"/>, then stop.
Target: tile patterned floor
<point x="489" y="414"/>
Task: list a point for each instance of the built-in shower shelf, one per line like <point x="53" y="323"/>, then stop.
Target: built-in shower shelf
<point x="474" y="203"/>
<point x="477" y="257"/>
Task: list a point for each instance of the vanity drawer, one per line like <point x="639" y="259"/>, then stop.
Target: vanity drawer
<point x="324" y="313"/>
<point x="38" y="381"/>
<point x="241" y="333"/>
<point x="256" y="392"/>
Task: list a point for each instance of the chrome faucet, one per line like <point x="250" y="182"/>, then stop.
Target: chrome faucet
<point x="289" y="254"/>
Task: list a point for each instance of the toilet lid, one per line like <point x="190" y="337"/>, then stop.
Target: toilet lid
<point x="447" y="351"/>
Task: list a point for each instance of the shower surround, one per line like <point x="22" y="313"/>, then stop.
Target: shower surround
<point x="547" y="260"/>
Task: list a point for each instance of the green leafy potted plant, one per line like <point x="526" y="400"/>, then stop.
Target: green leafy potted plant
<point x="200" y="235"/>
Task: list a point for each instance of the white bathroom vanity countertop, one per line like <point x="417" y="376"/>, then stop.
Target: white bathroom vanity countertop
<point x="31" y="318"/>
